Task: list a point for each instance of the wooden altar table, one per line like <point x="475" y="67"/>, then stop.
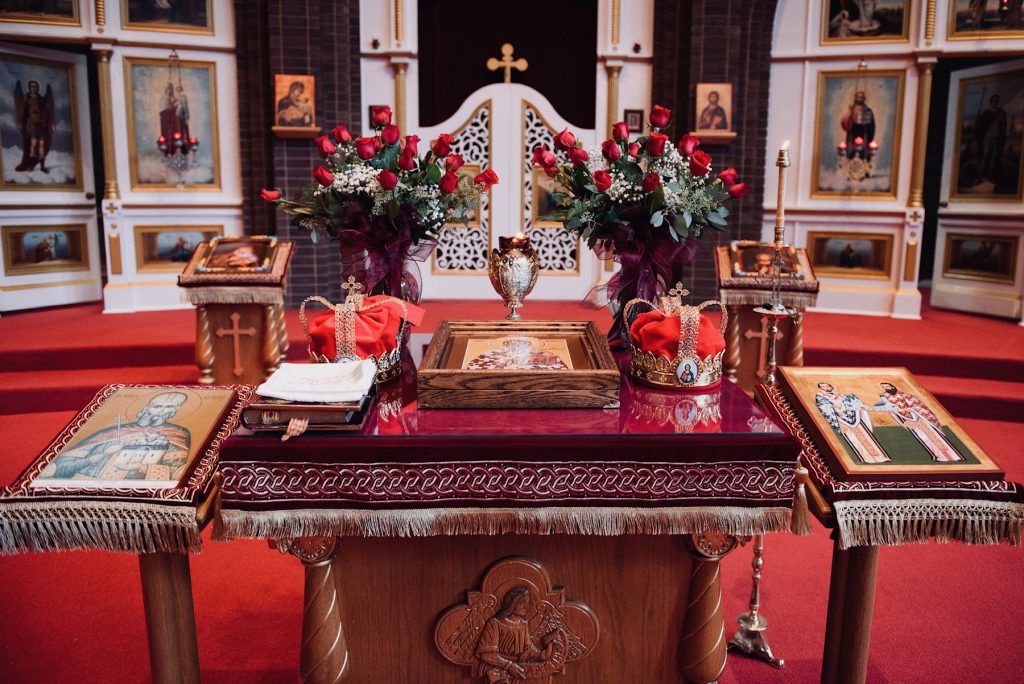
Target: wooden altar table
<point x="417" y="530"/>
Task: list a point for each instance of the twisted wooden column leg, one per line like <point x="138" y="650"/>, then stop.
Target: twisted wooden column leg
<point x="271" y="341"/>
<point x="204" y="346"/>
<point x="702" y="647"/>
<point x="282" y="329"/>
<point x="324" y="655"/>
<point x="731" y="363"/>
<point x="796" y="341"/>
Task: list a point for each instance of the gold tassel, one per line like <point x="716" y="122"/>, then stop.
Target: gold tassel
<point x="800" y="522"/>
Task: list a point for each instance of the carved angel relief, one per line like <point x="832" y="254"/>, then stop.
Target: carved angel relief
<point x="517" y="627"/>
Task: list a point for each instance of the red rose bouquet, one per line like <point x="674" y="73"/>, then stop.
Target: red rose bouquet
<point x="643" y="202"/>
<point x="382" y="202"/>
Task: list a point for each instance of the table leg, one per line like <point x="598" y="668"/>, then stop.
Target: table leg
<point x="858" y="607"/>
<point x="834" y="621"/>
<point x="702" y="647"/>
<point x="324" y="656"/>
<point x="170" y="618"/>
<point x="204" y="346"/>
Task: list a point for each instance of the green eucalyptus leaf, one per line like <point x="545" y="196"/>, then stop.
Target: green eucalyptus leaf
<point x="434" y="173"/>
<point x="657" y="218"/>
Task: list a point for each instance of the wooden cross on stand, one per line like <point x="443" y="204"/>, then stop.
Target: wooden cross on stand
<point x="762" y="352"/>
<point x="236" y="333"/>
<point x="507" y="63"/>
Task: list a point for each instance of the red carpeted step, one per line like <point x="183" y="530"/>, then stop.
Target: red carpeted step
<point x="59" y="390"/>
<point x="976" y="398"/>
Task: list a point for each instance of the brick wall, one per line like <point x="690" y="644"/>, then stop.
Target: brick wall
<point x="729" y="42"/>
<point x="317" y="37"/>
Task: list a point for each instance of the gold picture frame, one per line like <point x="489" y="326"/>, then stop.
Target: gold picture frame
<point x="168" y="26"/>
<point x="952" y="33"/>
<point x="470" y="171"/>
<point x="213" y="144"/>
<point x="70" y="73"/>
<point x="747" y="260"/>
<point x="881" y="424"/>
<point x="995" y="266"/>
<point x="955" y="192"/>
<point x="31" y="249"/>
<point x="541" y="187"/>
<point x="294" y="117"/>
<point x="895" y="121"/>
<point x="829" y="15"/>
<point x="43" y="18"/>
<point x="153" y="255"/>
<point x="241" y="254"/>
<point x="854" y="260"/>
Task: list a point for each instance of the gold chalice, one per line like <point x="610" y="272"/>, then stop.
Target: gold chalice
<point x="513" y="267"/>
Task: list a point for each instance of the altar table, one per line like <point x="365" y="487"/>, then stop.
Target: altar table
<point x="416" y="530"/>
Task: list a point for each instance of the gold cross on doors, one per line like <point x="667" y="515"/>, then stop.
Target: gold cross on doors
<point x="236" y="333"/>
<point x="507" y="63"/>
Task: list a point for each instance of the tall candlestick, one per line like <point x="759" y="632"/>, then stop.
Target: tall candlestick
<point x="782" y="161"/>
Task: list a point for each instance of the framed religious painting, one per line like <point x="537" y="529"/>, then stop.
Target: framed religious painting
<point x="517" y="364"/>
<point x="980" y="20"/>
<point x="543" y="189"/>
<point x="38" y="125"/>
<point x="713" y="114"/>
<point x="295" y="106"/>
<point x="857" y="134"/>
<point x="45" y="249"/>
<point x="880" y="424"/>
<point x="753" y="258"/>
<point x="634" y="119"/>
<point x="973" y="256"/>
<point x="166" y="249"/>
<point x="246" y="254"/>
<point x="52" y="12"/>
<point x="851" y="255"/>
<point x="865" y="21"/>
<point x="174" y="16"/>
<point x="139" y="438"/>
<point x="172" y="124"/>
<point x="988" y="154"/>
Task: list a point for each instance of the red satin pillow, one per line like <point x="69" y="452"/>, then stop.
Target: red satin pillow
<point x="376" y="328"/>
<point x="653" y="331"/>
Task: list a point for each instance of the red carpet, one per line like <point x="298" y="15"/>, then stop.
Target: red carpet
<point x="943" y="613"/>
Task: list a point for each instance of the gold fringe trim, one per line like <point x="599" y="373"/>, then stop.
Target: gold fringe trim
<point x="30" y="526"/>
<point x="201" y="296"/>
<point x="428" y="522"/>
<point x="889" y="522"/>
<point x="794" y="300"/>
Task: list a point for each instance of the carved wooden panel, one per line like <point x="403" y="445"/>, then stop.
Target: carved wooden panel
<point x="516" y="627"/>
<point x="238" y="343"/>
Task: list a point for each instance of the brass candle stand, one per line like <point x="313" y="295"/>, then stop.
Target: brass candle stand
<point x="749" y="638"/>
<point x="513" y="267"/>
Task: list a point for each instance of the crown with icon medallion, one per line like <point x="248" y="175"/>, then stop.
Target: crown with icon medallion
<point x="675" y="345"/>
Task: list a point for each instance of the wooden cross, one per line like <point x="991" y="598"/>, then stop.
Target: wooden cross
<point x="236" y="333"/>
<point x="762" y="352"/>
<point x="507" y="63"/>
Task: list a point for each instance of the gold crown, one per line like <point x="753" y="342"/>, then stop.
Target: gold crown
<point x="686" y="370"/>
<point x="389" y="364"/>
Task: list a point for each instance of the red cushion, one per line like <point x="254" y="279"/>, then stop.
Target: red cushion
<point x="655" y="332"/>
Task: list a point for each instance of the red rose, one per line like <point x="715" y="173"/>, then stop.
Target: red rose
<point x="486" y="179"/>
<point x="688" y="143"/>
<point x="366" y="147"/>
<point x="270" y="195"/>
<point x="739" y="190"/>
<point x="634" y="149"/>
<point x="660" y="116"/>
<point x="656" y="143"/>
<point x="611" y="150"/>
<point x="407" y="162"/>
<point x="603" y="180"/>
<point x="341" y="134"/>
<point x="380" y="116"/>
<point x="542" y="156"/>
<point x="700" y="163"/>
<point x="412" y="143"/>
<point x="578" y="156"/>
<point x="651" y="182"/>
<point x="325" y="146"/>
<point x="390" y="135"/>
<point x="449" y="181"/>
<point x="551" y="171"/>
<point x="454" y="162"/>
<point x="620" y="131"/>
<point x="388" y="180"/>
<point x="730" y="177"/>
<point x="323" y="175"/>
<point x="443" y="145"/>
<point x="565" y="140"/>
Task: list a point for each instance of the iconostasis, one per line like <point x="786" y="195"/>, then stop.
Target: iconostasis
<point x="852" y="90"/>
<point x="149" y="93"/>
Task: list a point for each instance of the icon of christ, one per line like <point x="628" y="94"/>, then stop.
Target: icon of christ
<point x="912" y="414"/>
<point x="848" y="416"/>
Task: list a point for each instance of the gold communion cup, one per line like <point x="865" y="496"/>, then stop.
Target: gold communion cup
<point x="513" y="267"/>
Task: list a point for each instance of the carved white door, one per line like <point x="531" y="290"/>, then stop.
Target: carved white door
<point x="498" y="127"/>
